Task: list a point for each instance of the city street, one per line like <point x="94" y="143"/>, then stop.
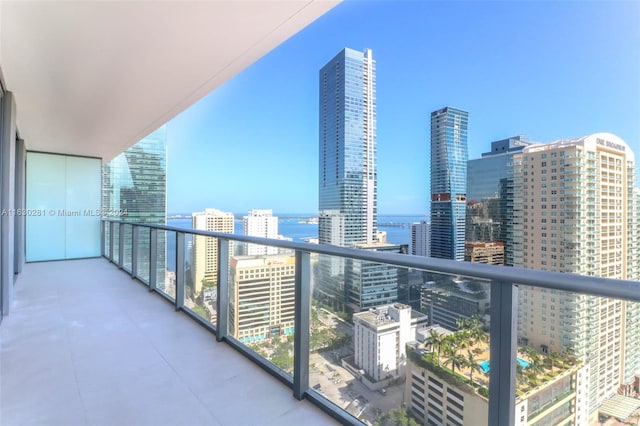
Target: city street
<point x="340" y="386"/>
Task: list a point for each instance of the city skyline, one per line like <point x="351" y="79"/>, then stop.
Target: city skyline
<point x="565" y="71"/>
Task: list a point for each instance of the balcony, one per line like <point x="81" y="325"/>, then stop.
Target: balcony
<point x="85" y="344"/>
<point x="115" y="344"/>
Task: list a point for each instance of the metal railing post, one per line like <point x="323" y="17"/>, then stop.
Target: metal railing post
<point x="302" y="315"/>
<point x="121" y="246"/>
<point x="153" y="259"/>
<point x="134" y="251"/>
<point x="503" y="350"/>
<point x="222" y="307"/>
<point x="179" y="270"/>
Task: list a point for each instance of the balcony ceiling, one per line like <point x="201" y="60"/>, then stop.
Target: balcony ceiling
<point x="92" y="78"/>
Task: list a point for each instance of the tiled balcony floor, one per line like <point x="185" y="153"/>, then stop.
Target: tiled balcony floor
<point x="86" y="345"/>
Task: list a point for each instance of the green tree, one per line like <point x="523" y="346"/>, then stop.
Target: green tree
<point x="554" y="358"/>
<point x="396" y="417"/>
<point x="450" y="350"/>
<point x="471" y="363"/>
<point x="436" y="340"/>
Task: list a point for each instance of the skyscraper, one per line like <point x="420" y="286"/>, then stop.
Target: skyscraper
<point x="348" y="183"/>
<point x="575" y="204"/>
<point x="348" y="191"/>
<point x="484" y="173"/>
<point x="205" y="249"/>
<point x="135" y="182"/>
<point x="260" y="223"/>
<point x="448" y="182"/>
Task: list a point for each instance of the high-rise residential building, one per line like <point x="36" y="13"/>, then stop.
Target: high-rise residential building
<point x="348" y="188"/>
<point x="380" y="339"/>
<point x="260" y="223"/>
<point x="420" y="244"/>
<point x="448" y="182"/>
<point x="134" y="187"/>
<point x="348" y="183"/>
<point x="204" y="263"/>
<point x="261" y="297"/>
<point x="575" y="203"/>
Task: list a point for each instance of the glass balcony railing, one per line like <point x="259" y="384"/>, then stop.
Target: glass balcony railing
<point x="366" y="333"/>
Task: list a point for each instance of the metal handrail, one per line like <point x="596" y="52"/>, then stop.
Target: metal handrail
<point x="596" y="286"/>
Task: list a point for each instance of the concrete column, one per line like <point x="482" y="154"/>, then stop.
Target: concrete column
<point x="7" y="198"/>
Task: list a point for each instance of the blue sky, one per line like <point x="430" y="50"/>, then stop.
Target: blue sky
<point x="549" y="70"/>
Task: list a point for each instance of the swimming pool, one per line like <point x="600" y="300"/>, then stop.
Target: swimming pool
<point x="484" y="365"/>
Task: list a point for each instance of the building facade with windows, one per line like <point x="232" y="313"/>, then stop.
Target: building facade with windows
<point x="575" y="203"/>
<point x="134" y="189"/>
<point x="347" y="159"/>
<point x="448" y="182"/>
<point x="348" y="195"/>
<point x="204" y="254"/>
<point x="420" y="241"/>
<point x="381" y="336"/>
<point x="261" y="297"/>
<point x="436" y="397"/>
<point x="260" y="223"/>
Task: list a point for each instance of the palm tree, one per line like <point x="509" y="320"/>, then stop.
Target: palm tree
<point x="436" y="340"/>
<point x="478" y="335"/>
<point x="462" y="339"/>
<point x="450" y="348"/>
<point x="472" y="364"/>
<point x="462" y="323"/>
<point x="533" y="355"/>
<point x="554" y="357"/>
<point x="456" y="360"/>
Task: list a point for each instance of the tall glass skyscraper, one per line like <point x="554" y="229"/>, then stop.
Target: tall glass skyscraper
<point x="348" y="192"/>
<point x="448" y="182"/>
<point x="135" y="182"/>
<point x="348" y="183"/>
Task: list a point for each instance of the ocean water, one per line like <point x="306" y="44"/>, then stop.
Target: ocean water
<point x="398" y="230"/>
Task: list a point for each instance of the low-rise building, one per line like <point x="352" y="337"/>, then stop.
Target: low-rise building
<point x="484" y="252"/>
<point x="261" y="297"/>
<point x="557" y="393"/>
<point x="381" y="336"/>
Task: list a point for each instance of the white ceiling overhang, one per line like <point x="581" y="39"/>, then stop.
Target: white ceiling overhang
<point x="92" y="78"/>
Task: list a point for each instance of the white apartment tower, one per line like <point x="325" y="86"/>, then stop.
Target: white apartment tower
<point x="576" y="212"/>
<point x="204" y="261"/>
<point x="260" y="223"/>
<point x="420" y="241"/>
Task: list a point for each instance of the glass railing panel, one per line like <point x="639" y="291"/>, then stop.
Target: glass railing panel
<point x="201" y="288"/>
<point x="115" y="256"/>
<point x="166" y="263"/>
<point x="106" y="240"/>
<point x="262" y="302"/>
<point x="386" y="341"/>
<point x="128" y="248"/>
<point x="142" y="251"/>
<point x="579" y="352"/>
